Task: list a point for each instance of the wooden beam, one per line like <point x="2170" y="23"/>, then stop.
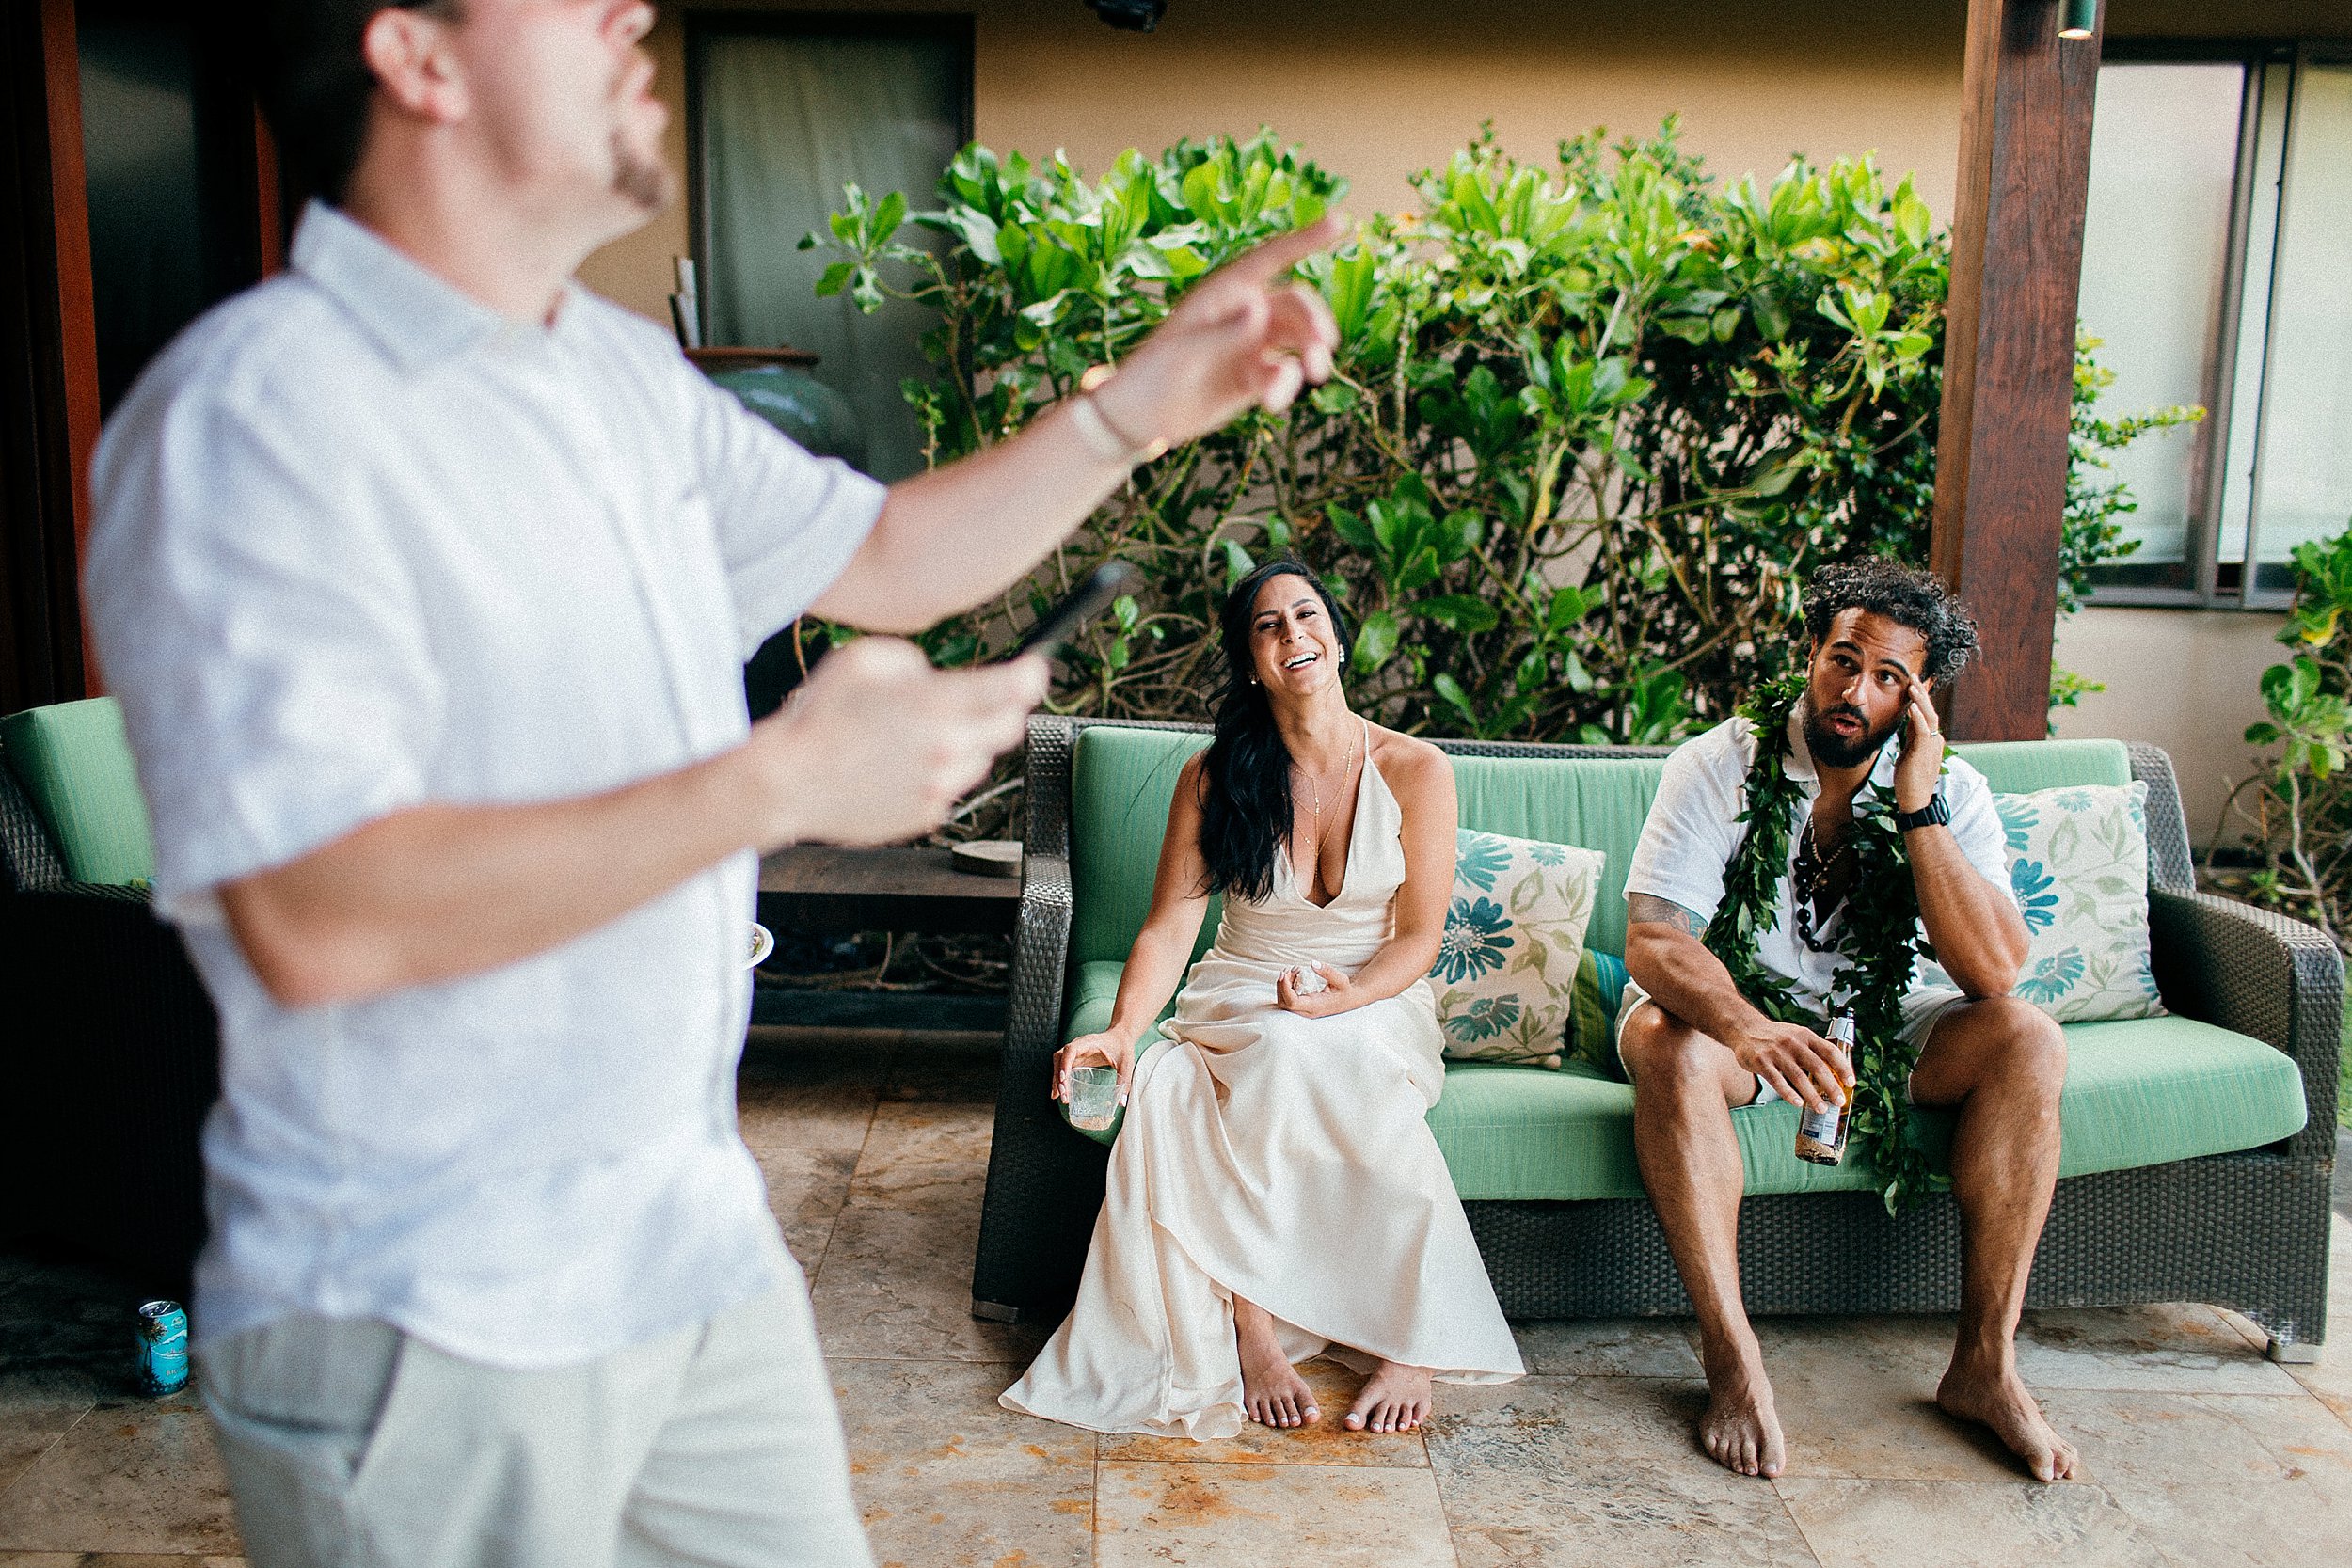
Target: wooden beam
<point x="48" y="358"/>
<point x="77" y="308"/>
<point x="2008" y="353"/>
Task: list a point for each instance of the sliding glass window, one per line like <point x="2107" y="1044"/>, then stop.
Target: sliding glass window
<point x="783" y="112"/>
<point x="2218" y="271"/>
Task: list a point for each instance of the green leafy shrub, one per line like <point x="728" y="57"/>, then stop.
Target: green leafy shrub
<point x="1593" y="422"/>
<point x="2296" y="812"/>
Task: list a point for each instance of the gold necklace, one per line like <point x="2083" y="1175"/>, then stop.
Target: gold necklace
<point x="1314" y="791"/>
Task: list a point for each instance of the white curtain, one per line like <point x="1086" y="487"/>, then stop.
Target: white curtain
<point x="784" y="120"/>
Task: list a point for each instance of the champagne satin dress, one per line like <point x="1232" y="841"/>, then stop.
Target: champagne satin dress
<point x="1284" y="1159"/>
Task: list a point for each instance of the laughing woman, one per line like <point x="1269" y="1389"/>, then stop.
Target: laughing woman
<point x="1274" y="1190"/>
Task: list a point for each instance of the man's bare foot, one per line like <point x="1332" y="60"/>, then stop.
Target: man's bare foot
<point x="1272" y="1391"/>
<point x="1394" y="1398"/>
<point x="1997" y="1399"/>
<point x="1740" y="1431"/>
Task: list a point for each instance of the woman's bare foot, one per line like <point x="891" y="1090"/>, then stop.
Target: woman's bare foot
<point x="1394" y="1398"/>
<point x="1272" y="1392"/>
<point x="1740" y="1431"/>
<point x="1997" y="1398"/>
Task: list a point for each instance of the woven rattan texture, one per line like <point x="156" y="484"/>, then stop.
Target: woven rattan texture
<point x="2169" y="865"/>
<point x="30" y="856"/>
<point x="2248" y="1231"/>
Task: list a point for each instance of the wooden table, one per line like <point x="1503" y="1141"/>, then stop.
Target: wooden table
<point x="812" y="888"/>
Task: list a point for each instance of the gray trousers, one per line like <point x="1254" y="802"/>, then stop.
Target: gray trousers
<point x="352" y="1445"/>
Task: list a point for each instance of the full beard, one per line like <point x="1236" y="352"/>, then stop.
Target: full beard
<point x="1828" y="746"/>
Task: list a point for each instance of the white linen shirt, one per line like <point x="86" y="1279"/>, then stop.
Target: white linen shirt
<point x="362" y="544"/>
<point x="1694" y="829"/>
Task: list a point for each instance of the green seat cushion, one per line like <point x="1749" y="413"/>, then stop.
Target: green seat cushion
<point x="73" y="761"/>
<point x="2138" y="1092"/>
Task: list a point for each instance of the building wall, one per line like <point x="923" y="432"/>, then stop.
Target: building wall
<point x="1377" y="89"/>
<point x="2183" y="679"/>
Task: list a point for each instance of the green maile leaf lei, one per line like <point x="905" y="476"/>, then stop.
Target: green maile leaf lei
<point x="1880" y="940"/>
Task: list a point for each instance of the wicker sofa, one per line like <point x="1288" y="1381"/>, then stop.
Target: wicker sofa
<point x="2192" y="1170"/>
<point x="115" y="1056"/>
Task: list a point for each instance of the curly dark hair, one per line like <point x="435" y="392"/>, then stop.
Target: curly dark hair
<point x="1903" y="595"/>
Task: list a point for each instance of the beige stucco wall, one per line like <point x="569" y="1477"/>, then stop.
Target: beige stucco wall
<point x="1376" y="90"/>
<point x="2182" y="679"/>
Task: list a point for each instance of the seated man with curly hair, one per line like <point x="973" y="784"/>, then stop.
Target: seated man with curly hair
<point x="1698" y="1045"/>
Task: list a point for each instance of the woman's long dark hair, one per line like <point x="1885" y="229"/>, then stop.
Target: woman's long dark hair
<point x="1245" y="779"/>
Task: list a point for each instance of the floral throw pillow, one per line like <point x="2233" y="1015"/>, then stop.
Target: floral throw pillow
<point x="1506" y="975"/>
<point x="2078" y="863"/>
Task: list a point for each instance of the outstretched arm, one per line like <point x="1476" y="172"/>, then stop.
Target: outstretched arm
<point x="1422" y="780"/>
<point x="962" y="535"/>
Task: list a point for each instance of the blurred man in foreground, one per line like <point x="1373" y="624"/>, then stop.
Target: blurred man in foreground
<point x="425" y="578"/>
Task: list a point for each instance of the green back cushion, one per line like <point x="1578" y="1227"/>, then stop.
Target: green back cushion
<point x="1121" y="781"/>
<point x="74" y="763"/>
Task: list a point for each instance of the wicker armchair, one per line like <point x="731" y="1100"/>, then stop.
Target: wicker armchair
<point x="2247" y="1230"/>
<point x="110" y="1069"/>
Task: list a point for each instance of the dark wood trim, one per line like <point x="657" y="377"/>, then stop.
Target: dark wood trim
<point x="2008" y="353"/>
<point x="48" y="358"/>
<point x="269" y="192"/>
<point x="77" y="313"/>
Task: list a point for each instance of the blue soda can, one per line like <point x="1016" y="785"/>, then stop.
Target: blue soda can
<point x="162" y="1347"/>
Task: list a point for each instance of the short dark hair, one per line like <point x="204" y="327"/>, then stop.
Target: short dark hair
<point x="315" y="85"/>
<point x="1901" y="594"/>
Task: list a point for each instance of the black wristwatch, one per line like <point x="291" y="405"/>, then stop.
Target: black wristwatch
<point x="1935" y="813"/>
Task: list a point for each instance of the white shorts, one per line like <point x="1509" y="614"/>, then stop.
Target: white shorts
<point x="351" y="1444"/>
<point x="1923" y="1009"/>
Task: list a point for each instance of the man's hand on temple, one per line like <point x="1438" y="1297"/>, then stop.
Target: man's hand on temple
<point x="878" y="746"/>
<point x="1920" y="761"/>
<point x="1802" y="1067"/>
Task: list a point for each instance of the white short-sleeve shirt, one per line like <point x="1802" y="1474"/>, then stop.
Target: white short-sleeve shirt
<point x="362" y="544"/>
<point x="1694" y="829"/>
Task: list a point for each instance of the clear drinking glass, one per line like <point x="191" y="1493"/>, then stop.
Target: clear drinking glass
<point x="1093" y="1098"/>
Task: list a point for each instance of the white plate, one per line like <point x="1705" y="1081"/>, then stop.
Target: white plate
<point x="988" y="857"/>
<point x="763" y="944"/>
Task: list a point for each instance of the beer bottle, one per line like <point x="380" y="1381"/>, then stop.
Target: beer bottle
<point x="1822" y="1134"/>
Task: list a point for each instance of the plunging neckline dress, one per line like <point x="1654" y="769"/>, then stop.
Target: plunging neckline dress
<point x="1282" y="1159"/>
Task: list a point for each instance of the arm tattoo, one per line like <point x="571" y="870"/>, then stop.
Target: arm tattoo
<point x="1647" y="909"/>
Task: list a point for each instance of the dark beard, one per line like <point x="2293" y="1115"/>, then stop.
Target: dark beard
<point x="1828" y="749"/>
<point x="644" y="183"/>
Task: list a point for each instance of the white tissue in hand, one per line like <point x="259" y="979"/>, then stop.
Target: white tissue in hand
<point x="1307" y="982"/>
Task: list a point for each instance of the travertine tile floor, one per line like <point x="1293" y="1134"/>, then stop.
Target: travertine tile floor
<point x="2195" y="1449"/>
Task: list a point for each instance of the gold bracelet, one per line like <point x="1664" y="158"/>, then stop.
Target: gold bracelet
<point x="1095" y="428"/>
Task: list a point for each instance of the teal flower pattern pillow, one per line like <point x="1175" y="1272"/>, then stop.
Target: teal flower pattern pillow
<point x="2078" y="863"/>
<point x="1506" y="975"/>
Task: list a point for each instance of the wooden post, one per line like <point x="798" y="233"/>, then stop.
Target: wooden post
<point x="2008" y="353"/>
<point x="48" y="358"/>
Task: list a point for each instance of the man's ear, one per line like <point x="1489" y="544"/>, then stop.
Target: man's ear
<point x="414" y="65"/>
